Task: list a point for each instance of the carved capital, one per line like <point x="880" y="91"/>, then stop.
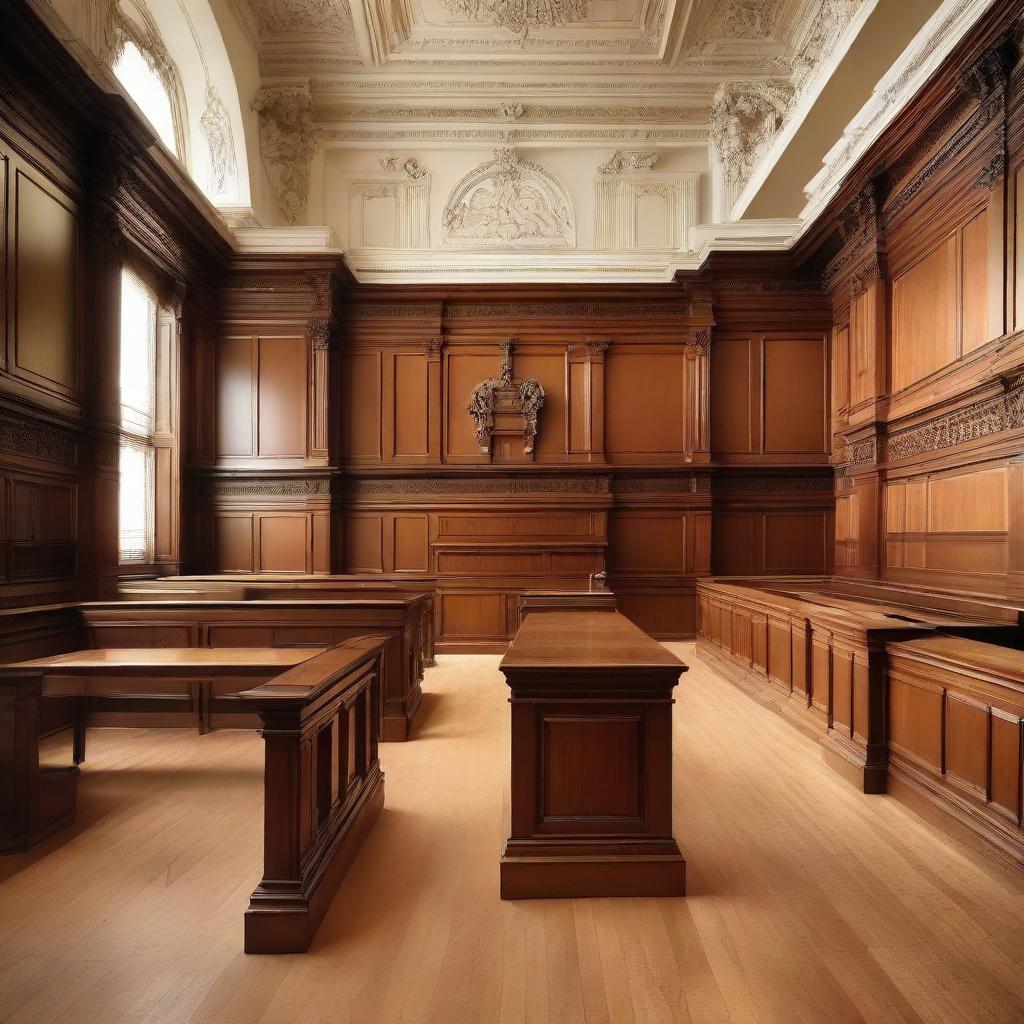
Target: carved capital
<point x="433" y="345"/>
<point x="700" y="344"/>
<point x="990" y="73"/>
<point x="323" y="334"/>
<point x="591" y="346"/>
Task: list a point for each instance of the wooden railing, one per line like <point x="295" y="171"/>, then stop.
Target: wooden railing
<point x="323" y="788"/>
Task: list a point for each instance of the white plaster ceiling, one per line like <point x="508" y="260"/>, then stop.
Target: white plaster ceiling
<point x="694" y="101"/>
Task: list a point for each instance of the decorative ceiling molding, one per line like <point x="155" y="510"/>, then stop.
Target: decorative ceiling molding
<point x="508" y="202"/>
<point x="521" y="16"/>
<point x="612" y="135"/>
<point x="291" y="17"/>
<point x="901" y="83"/>
<point x="646" y="113"/>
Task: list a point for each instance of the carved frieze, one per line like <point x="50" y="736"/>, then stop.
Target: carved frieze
<point x="560" y="484"/>
<point x="688" y="483"/>
<point x="37" y="440"/>
<point x="255" y="487"/>
<point x="772" y="484"/>
<point x="496" y="403"/>
<point x="991" y="416"/>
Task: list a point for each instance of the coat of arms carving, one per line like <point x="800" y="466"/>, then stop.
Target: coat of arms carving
<point x="502" y="406"/>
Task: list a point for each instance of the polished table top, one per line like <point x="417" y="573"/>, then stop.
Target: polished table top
<point x="585" y="639"/>
<point x="188" y="660"/>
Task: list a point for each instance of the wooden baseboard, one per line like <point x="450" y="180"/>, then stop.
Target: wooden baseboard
<point x="560" y="877"/>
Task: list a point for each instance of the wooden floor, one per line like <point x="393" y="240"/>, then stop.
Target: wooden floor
<point x="854" y="911"/>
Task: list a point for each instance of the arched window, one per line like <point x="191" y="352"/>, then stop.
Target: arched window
<point x="144" y="67"/>
<point x="141" y="81"/>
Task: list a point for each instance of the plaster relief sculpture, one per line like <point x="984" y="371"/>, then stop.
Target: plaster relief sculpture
<point x="503" y="406"/>
<point x="216" y="125"/>
<point x="288" y="141"/>
<point x="745" y="119"/>
<point x="522" y="15"/>
<point x="508" y="203"/>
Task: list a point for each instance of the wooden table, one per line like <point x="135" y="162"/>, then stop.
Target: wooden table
<point x="45" y="696"/>
<point x="591" y="760"/>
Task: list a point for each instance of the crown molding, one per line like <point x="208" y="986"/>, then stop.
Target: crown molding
<point x="918" y="62"/>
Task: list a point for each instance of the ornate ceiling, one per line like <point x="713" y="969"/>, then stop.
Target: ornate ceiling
<point x="551" y="139"/>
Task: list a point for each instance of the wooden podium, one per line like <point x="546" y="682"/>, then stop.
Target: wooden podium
<point x="591" y="760"/>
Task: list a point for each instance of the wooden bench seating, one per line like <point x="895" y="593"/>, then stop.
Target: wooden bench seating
<point x="826" y="658"/>
<point x="286" y="586"/>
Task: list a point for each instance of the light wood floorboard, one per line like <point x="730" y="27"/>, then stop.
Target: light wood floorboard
<point x="808" y="901"/>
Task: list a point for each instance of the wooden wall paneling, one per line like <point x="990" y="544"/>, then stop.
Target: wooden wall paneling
<point x="407" y="396"/>
<point x="464" y="368"/>
<point x="769" y="398"/>
<point x="45" y="330"/>
<point x="282" y="377"/>
<point x="645" y="411"/>
<point x="734" y="420"/>
<point x="924" y="315"/>
<point x="585" y="400"/>
<point x="236" y="397"/>
<point x="794" y="403"/>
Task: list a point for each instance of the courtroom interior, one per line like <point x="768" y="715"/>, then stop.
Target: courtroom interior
<point x="511" y="511"/>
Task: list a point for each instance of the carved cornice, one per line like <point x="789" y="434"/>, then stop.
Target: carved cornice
<point x="35" y="440"/>
<point x="566" y="309"/>
<point x="766" y="285"/>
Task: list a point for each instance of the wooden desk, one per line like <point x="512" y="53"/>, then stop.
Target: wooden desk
<point x="323" y="788"/>
<point x="591" y="760"/>
<point x="44" y="696"/>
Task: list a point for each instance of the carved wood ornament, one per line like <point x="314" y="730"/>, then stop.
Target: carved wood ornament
<point x="498" y="402"/>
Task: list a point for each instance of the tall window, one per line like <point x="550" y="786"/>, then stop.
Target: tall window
<point x="142" y="82"/>
<point x="138" y="414"/>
